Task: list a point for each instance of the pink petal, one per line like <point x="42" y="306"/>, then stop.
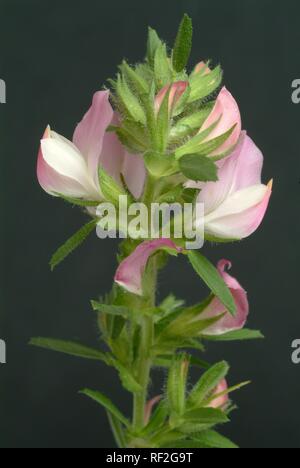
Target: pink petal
<point x="220" y="401"/>
<point x="238" y="223"/>
<point x="228" y="322"/>
<point x="227" y="109"/>
<point x="176" y="91"/>
<point x="134" y="173"/>
<point x="129" y="275"/>
<point x="89" y="133"/>
<point x="53" y="182"/>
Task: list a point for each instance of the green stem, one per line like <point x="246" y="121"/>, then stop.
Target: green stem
<point x="143" y="372"/>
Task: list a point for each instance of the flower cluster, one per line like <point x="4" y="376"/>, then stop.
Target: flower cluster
<point x="161" y="133"/>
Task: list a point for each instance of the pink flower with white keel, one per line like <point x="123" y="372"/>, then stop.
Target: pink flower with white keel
<point x="71" y="168"/>
<point x="236" y="204"/>
<point x="129" y="275"/>
<point x="228" y="322"/>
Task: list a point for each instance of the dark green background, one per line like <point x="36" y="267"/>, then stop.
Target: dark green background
<point x="53" y="56"/>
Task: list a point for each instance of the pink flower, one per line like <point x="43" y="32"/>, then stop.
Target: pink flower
<point x="236" y="204"/>
<point x="228" y="322"/>
<point x="220" y="401"/>
<point x="176" y="91"/>
<point x="129" y="275"/>
<point x="71" y="169"/>
<point x="227" y="112"/>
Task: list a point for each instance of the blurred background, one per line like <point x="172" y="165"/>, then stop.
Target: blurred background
<point x="53" y="56"/>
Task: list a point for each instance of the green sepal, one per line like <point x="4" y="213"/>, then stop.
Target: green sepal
<point x="132" y="135"/>
<point x="207" y="384"/>
<point x="153" y="44"/>
<point x="204" y="85"/>
<point x="130" y="103"/>
<point x="177" y="380"/>
<point x="189" y="124"/>
<point x="160" y="165"/>
<point x="111" y="190"/>
<point x="162" y="67"/>
<point x="133" y="77"/>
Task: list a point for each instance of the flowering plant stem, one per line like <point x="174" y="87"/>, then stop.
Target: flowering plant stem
<point x="173" y="140"/>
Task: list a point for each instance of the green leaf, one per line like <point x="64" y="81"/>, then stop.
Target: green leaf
<point x="78" y="201"/>
<point x="70" y="348"/>
<point x="208" y="383"/>
<point x="204" y="85"/>
<point x="154" y="43"/>
<point x="162" y="68"/>
<point x="236" y="335"/>
<point x="199" y="168"/>
<point x="177" y="381"/>
<point x="205" y="416"/>
<point x="213" y="279"/>
<point x="212" y="439"/>
<point x="111" y="309"/>
<point x="75" y="241"/>
<point x="183" y="44"/>
<point x="126" y="377"/>
<point x="106" y="403"/>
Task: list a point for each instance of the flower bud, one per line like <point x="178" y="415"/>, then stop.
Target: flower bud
<point x="176" y="91"/>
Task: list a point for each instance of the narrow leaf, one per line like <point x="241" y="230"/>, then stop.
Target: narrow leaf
<point x="70" y="348"/>
<point x="211" y="439"/>
<point x="111" y="309"/>
<point x="106" y="403"/>
<point x="212" y="278"/>
<point x="183" y="44"/>
<point x="75" y="241"/>
<point x="237" y="335"/>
